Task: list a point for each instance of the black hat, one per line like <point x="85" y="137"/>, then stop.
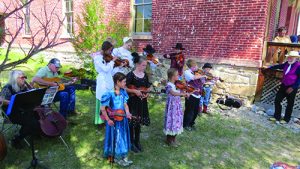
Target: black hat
<point x="55" y="61"/>
<point x="179" y="46"/>
<point x="149" y="49"/>
<point x="207" y="65"/>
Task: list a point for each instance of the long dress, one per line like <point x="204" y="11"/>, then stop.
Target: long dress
<point x="104" y="81"/>
<point x="138" y="107"/>
<point x="173" y="124"/>
<point x="117" y="137"/>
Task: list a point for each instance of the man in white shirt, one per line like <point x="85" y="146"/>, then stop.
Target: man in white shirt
<point x="124" y="52"/>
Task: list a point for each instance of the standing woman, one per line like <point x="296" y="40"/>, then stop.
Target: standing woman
<point x="104" y="64"/>
<point x="137" y="102"/>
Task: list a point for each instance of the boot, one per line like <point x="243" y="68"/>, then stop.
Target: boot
<point x="200" y="110"/>
<point x="168" y="140"/>
<point x="205" y="109"/>
<point x="132" y="140"/>
<point x="137" y="138"/>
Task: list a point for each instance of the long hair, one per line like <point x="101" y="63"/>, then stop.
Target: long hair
<point x="13" y="76"/>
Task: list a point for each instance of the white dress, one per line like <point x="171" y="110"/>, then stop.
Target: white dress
<point x="104" y="78"/>
<point x="123" y="53"/>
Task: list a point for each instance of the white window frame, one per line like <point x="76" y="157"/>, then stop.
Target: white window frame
<point x="65" y="33"/>
<point x="134" y="19"/>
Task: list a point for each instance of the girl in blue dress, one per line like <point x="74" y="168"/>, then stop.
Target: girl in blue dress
<point x="117" y="136"/>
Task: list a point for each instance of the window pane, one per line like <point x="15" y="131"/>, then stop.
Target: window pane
<point x="139" y="25"/>
<point x="148" y="11"/>
<point x="138" y="1"/>
<point x="139" y="12"/>
<point x="147" y="25"/>
<point x="147" y="1"/>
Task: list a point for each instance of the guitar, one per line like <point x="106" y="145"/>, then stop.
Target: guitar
<point x="61" y="86"/>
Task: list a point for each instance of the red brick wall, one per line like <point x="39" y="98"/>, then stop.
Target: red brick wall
<point x="220" y="31"/>
<point x="283" y="12"/>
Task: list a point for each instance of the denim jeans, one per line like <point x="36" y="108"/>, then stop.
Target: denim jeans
<point x="204" y="100"/>
<point x="67" y="100"/>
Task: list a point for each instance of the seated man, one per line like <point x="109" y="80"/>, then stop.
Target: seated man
<point x="66" y="96"/>
<point x="29" y="124"/>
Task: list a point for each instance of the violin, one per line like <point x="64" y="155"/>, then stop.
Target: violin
<point x="152" y="58"/>
<point x="117" y="115"/>
<point x="185" y="87"/>
<point x="107" y="58"/>
<point x="119" y="61"/>
<point x="209" y="75"/>
<point x="179" y="58"/>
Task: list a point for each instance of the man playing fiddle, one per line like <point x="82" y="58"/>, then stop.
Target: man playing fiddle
<point x="177" y="59"/>
<point x="66" y="96"/>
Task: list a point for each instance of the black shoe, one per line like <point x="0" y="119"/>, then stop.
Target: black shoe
<point x="188" y="128"/>
<point x="139" y="147"/>
<point x="134" y="148"/>
<point x="16" y="143"/>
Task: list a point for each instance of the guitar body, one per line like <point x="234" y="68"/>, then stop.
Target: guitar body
<point x="54" y="79"/>
<point x="3" y="148"/>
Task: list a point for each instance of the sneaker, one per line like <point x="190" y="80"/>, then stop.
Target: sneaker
<point x="121" y="162"/>
<point x="283" y="122"/>
<point x="127" y="160"/>
<point x="272" y="119"/>
<point x="277" y="122"/>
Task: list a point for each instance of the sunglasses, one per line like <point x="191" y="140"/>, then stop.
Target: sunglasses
<point x="23" y="77"/>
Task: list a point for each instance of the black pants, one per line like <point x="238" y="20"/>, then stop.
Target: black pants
<point x="28" y="122"/>
<point x="281" y="94"/>
<point x="191" y="111"/>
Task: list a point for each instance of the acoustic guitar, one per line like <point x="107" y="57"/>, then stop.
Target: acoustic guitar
<point x="61" y="86"/>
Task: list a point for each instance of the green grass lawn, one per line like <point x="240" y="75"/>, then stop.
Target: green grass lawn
<point x="218" y="142"/>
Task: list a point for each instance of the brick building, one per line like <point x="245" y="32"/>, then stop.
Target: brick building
<point x="231" y="34"/>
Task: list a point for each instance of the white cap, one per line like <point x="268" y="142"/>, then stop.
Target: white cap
<point x="293" y="54"/>
<point x="126" y="39"/>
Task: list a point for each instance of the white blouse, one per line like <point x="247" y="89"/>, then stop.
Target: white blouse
<point x="104" y="78"/>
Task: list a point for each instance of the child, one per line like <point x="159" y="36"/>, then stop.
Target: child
<point x="152" y="71"/>
<point x="192" y="103"/>
<point x="173" y="112"/>
<point x="177" y="59"/>
<point x="137" y="102"/>
<point x="117" y="137"/>
<point x="289" y="86"/>
<point x="207" y="88"/>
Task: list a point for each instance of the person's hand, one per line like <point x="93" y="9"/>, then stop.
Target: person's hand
<point x="138" y="93"/>
<point x="168" y="56"/>
<point x="110" y="122"/>
<point x="289" y="90"/>
<point x="187" y="95"/>
<point x="128" y="115"/>
<point x="53" y="84"/>
<point x="114" y="58"/>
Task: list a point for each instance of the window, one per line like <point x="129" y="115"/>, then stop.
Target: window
<point x="68" y="10"/>
<point x="143" y="16"/>
<point x="27" y="18"/>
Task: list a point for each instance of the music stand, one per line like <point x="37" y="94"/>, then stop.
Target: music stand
<point x="24" y="102"/>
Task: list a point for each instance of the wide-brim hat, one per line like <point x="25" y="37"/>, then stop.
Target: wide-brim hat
<point x="149" y="49"/>
<point x="55" y="61"/>
<point x="207" y="65"/>
<point x="293" y="54"/>
<point x="179" y="46"/>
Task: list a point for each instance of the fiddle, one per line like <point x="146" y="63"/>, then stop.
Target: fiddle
<point x="179" y="58"/>
<point x="185" y="87"/>
<point x="107" y="58"/>
<point x="119" y="61"/>
<point x="209" y="76"/>
<point x="116" y="115"/>
<point x="152" y="58"/>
